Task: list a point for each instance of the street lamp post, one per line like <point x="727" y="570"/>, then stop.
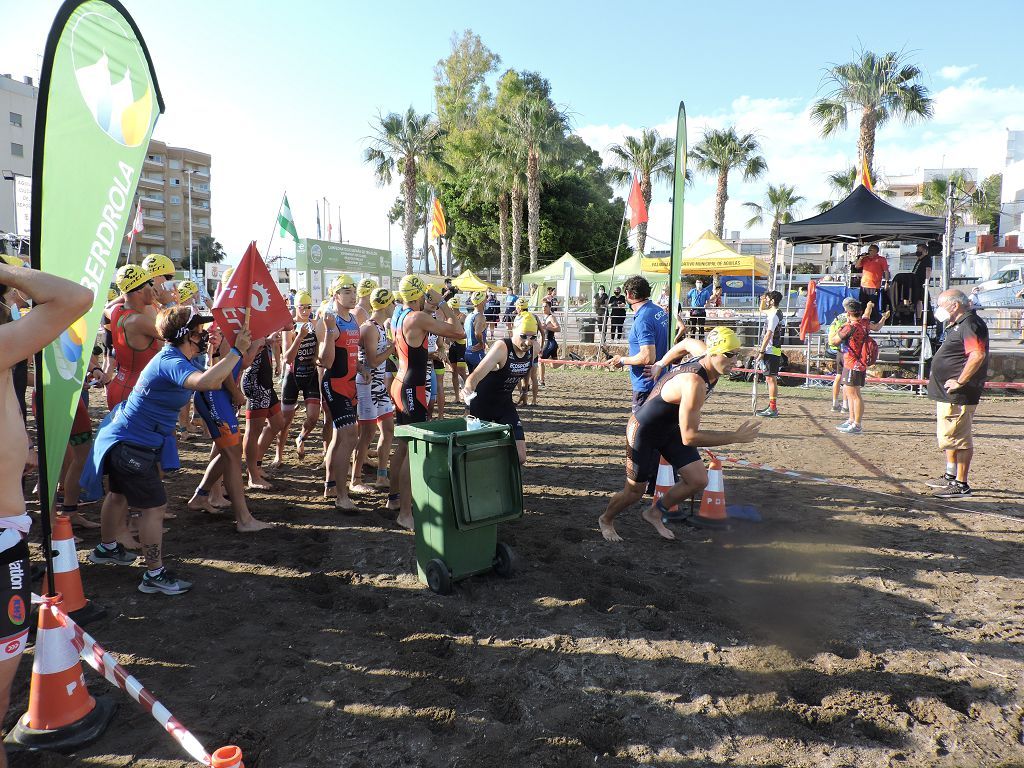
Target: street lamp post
<point x="189" y="172"/>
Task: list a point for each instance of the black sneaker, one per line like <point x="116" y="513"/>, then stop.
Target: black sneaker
<point x="166" y="582"/>
<point x="116" y="556"/>
<point x="955" y="490"/>
<point x="942" y="481"/>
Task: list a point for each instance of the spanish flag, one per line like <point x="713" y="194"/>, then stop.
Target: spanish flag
<point x="438" y="227"/>
<point x="865" y="174"/>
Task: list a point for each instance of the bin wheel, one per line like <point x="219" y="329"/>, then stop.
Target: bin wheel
<point x="504" y="560"/>
<point x="438" y="578"/>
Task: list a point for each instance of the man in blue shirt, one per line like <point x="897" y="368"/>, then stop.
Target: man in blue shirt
<point x="697" y="299"/>
<point x="648" y="338"/>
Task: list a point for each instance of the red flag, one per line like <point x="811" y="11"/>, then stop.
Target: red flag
<point x="637" y="206"/>
<point x="137" y="226"/>
<point x="810" y="323"/>
<point x="251" y="286"/>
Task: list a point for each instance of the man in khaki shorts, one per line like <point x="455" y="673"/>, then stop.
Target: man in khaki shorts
<point x="959" y="370"/>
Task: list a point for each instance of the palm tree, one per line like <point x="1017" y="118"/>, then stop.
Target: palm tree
<point x="841" y="183"/>
<point x="651" y="158"/>
<point x="968" y="198"/>
<point x="403" y="142"/>
<point x="882" y="88"/>
<point x="780" y="205"/>
<point x="717" y="153"/>
<point x="534" y="129"/>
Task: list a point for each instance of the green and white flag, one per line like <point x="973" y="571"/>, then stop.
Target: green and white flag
<point x="286" y="221"/>
<point x="98" y="104"/>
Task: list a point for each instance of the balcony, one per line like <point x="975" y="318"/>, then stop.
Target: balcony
<point x="154" y="160"/>
<point x="152" y="181"/>
<point x="153" y="199"/>
<point x="153" y="215"/>
<point x="147" y="236"/>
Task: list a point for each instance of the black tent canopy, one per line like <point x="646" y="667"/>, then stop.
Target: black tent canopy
<point x="863" y="216"/>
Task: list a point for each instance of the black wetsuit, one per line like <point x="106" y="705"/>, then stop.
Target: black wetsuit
<point x="493" y="401"/>
<point x="653" y="430"/>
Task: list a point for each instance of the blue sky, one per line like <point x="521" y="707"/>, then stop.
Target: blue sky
<point x="282" y="94"/>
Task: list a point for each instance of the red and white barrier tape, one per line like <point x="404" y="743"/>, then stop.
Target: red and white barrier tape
<point x="577" y="363"/>
<point x="103" y="662"/>
<point x="873" y="380"/>
<point x="835" y="483"/>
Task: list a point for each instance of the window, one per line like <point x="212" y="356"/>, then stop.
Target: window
<point x="175" y="235"/>
<point x="1009" y="276"/>
<point x="757" y="249"/>
<point x="158" y="159"/>
<point x="17" y="150"/>
<point x="175" y="200"/>
<point x="16" y="119"/>
<point x="175" y="217"/>
<point x="175" y="254"/>
<point x="175" y="182"/>
<point x="806" y="248"/>
<point x="175" y="165"/>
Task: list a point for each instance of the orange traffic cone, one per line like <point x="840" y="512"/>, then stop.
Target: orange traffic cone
<point x="62" y="715"/>
<point x="666" y="479"/>
<point x="67" y="579"/>
<point x="712" y="502"/>
<point x="227" y="757"/>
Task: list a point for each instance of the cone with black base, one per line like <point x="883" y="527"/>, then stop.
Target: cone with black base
<point x="712" y="513"/>
<point x="67" y="577"/>
<point x="62" y="716"/>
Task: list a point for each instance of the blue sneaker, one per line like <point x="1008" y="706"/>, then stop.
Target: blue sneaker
<point x="851" y="429"/>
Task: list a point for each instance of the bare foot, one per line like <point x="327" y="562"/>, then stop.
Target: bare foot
<point x="202" y="503"/>
<point x="345" y="504"/>
<point x="128" y="542"/>
<point x="331" y="493"/>
<point x="82" y="522"/>
<point x="252" y="525"/>
<point x="383" y="481"/>
<point x="608" y="529"/>
<point x="300" y="448"/>
<point x="219" y="502"/>
<point x="259" y="484"/>
<point x="405" y="520"/>
<point x="360" y="489"/>
<point x="277" y="462"/>
<point x="653" y="516"/>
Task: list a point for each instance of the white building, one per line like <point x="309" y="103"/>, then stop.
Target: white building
<point x="17" y="131"/>
<point x="1012" y="199"/>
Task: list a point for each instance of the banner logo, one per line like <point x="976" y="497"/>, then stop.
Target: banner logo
<point x="68" y="350"/>
<point x="121" y="102"/>
<point x="316" y="255"/>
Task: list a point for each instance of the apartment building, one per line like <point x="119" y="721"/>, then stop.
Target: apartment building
<point x="17" y="131"/>
<point x="170" y="175"/>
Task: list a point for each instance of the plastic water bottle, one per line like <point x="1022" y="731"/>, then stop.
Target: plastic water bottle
<point x="473" y="423"/>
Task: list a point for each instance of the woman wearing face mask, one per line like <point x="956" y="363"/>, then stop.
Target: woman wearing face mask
<point x="128" y="445"/>
<point x="617" y="311"/>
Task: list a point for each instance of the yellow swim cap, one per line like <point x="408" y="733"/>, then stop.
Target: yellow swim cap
<point x="341" y="282"/>
<point x="158" y="264"/>
<point x="477" y="297"/>
<point x="131" y="277"/>
<point x="382" y="298"/>
<point x="453" y="302"/>
<point x="186" y="290"/>
<point x="303" y="299"/>
<point x="111" y="294"/>
<point x="522" y="303"/>
<point x="526" y="323"/>
<point x="721" y="340"/>
<point x="411" y="288"/>
<point x="227" y="275"/>
<point x="366" y="287"/>
<point x="12" y="261"/>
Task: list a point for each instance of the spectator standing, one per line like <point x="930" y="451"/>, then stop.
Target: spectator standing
<point x="957" y="380"/>
<point x="770" y="351"/>
<point x="974" y="300"/>
<point x="922" y="272"/>
<point x="601" y="309"/>
<point x="874" y="269"/>
<point x="617" y="311"/>
<point x="449" y="291"/>
<point x="510" y="306"/>
<point x="696" y="300"/>
<point x="648" y="337"/>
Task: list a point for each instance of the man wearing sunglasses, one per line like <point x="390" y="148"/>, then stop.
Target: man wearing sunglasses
<point x="957" y="380"/>
<point x="668" y="425"/>
<point x="648" y="338"/>
<point x="133" y="325"/>
<point x="489" y="389"/>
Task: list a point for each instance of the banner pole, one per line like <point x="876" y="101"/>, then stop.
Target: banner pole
<point x="678" y="197"/>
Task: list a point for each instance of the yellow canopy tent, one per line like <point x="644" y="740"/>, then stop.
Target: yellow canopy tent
<point x="708" y="255"/>
<point x="467" y="281"/>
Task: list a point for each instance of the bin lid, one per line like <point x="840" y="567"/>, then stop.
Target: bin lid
<point x="441" y="430"/>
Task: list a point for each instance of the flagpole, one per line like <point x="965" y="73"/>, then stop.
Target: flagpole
<point x="276" y="225"/>
<point x="611" y="287"/>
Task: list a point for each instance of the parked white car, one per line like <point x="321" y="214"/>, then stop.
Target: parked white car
<point x="1002" y="288"/>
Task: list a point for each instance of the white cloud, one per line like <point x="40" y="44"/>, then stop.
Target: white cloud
<point x="968" y="130"/>
<point x="954" y="72"/>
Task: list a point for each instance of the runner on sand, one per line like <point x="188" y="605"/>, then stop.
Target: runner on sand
<point x="668" y="425"/>
<point x="409" y="387"/>
<point x="300" y="376"/>
<point x="374" y="407"/>
<point x="489" y="388"/>
<point x="337" y="332"/>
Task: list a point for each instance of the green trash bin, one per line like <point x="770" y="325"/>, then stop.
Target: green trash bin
<point x="464" y="482"/>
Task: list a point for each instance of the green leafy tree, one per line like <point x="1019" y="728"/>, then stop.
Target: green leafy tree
<point x="403" y="143"/>
<point x="880" y="88"/>
<point x="460" y="86"/>
<point x="721" y="151"/>
<point x="779" y="206"/>
<point x="651" y="158"/>
<point x="987" y="211"/>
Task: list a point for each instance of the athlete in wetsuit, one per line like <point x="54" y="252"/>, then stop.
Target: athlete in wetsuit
<point x="409" y="387"/>
<point x="263" y="418"/>
<point x="133" y="322"/>
<point x="668" y="425"/>
<point x="507" y="362"/>
<point x="550" y="350"/>
<point x="337" y="333"/>
<point x="457" y="353"/>
<point x="300" y="376"/>
<point x="475" y="326"/>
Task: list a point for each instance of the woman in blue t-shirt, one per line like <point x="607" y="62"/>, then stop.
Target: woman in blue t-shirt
<point x="130" y="439"/>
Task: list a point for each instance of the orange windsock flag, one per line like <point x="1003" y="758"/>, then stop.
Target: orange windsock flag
<point x="438" y="227"/>
<point x="865" y="175"/>
<point x="637" y="206"/>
